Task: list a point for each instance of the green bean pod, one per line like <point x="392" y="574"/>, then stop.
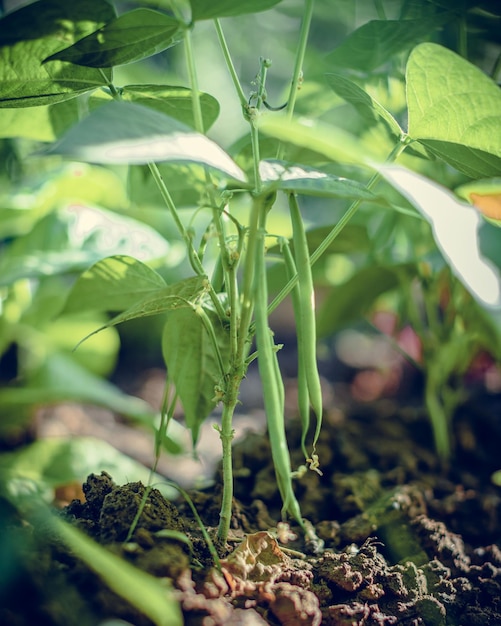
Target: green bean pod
<point x="273" y="392"/>
<point x="306" y="321"/>
<point x="303" y="395"/>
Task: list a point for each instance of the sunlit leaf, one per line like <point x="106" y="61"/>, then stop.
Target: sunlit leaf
<point x="130" y="37"/>
<point x="73" y="239"/>
<point x="55" y="462"/>
<point x="123" y="132"/>
<point x="192" y="363"/>
<point x="209" y="9"/>
<point x="36" y="31"/>
<point x="455" y="228"/>
<point x="173" y="101"/>
<point x="113" y="284"/>
<point x="330" y="141"/>
<point x="180" y="295"/>
<point x="454" y="110"/>
<point x="376" y="42"/>
<point x="367" y="106"/>
<point x="308" y="181"/>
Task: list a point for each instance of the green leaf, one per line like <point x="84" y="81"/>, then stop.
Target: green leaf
<point x="173" y="101"/>
<point x="41" y="123"/>
<point x="308" y="181"/>
<point x="151" y="596"/>
<point x="34" y="32"/>
<point x="130" y="37"/>
<point x="484" y="194"/>
<point x="74" y="238"/>
<point x="210" y="9"/>
<point x="123" y="132"/>
<point x="367" y="106"/>
<point x="376" y="42"/>
<point x="351" y="300"/>
<point x="330" y="141"/>
<point x="455" y="227"/>
<point x="454" y="110"/>
<point x="54" y="462"/>
<point x="180" y="295"/>
<point x="113" y="284"/>
<point x="191" y="360"/>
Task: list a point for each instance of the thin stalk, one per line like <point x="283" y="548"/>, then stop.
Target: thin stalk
<point x="192" y="72"/>
<point x="300" y="53"/>
<point x="381" y="13"/>
<point x="496" y="70"/>
<point x="397" y="150"/>
<point x="229" y="63"/>
<point x="463" y="36"/>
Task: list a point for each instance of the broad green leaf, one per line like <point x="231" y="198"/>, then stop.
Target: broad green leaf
<point x="191" y="361"/>
<point x="210" y="9"/>
<point x="308" y="181"/>
<point x="180" y="295"/>
<point x="54" y="462"/>
<point x="330" y="141"/>
<point x="367" y="106"/>
<point x="36" y="31"/>
<point x="113" y="284"/>
<point x="130" y="37"/>
<point x="74" y="238"/>
<point x="61" y="379"/>
<point x="454" y="110"/>
<point x="376" y="42"/>
<point x="173" y="101"/>
<point x="455" y="228"/>
<point x="41" y="123"/>
<point x="352" y="300"/>
<point x="123" y="132"/>
<point x="151" y="596"/>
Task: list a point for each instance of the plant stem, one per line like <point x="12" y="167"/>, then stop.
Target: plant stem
<point x="192" y="72"/>
<point x="300" y="53"/>
<point x="192" y="253"/>
<point x="380" y="9"/>
<point x="229" y="63"/>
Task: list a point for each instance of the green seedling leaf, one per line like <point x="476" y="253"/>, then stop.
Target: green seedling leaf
<point x="485" y="195"/>
<point x="130" y="37"/>
<point x="180" y="295"/>
<point x="454" y="110"/>
<point x="41" y="123"/>
<point x="352" y="299"/>
<point x="55" y="462"/>
<point x="311" y="182"/>
<point x="455" y="227"/>
<point x="74" y="238"/>
<point x="367" y="106"/>
<point x="34" y="32"/>
<point x="210" y="9"/>
<point x="192" y="362"/>
<point x="151" y="596"/>
<point x="327" y="140"/>
<point x="123" y="132"/>
<point x="376" y="42"/>
<point x="113" y="284"/>
<point x="173" y="101"/>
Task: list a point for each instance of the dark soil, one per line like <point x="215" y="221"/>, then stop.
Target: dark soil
<point x="407" y="541"/>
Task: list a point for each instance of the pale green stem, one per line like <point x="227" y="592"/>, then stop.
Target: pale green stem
<point x="380" y="9"/>
<point x="301" y="51"/>
<point x="229" y="64"/>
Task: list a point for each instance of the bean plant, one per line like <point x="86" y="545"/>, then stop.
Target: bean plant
<point x="404" y="229"/>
